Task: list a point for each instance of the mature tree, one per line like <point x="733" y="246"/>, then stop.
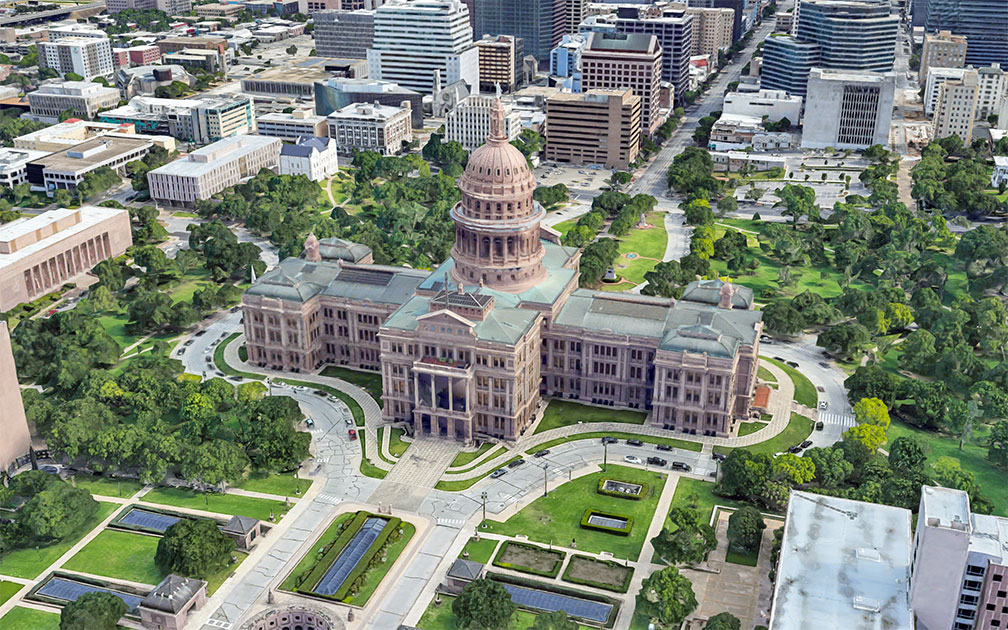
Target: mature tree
<point x="780" y="318"/>
<point x="556" y="620"/>
<point x="698" y="212"/>
<point x="831" y="467"/>
<point x="848" y="340"/>
<point x="215" y="462"/>
<point x="745" y="528"/>
<point x="906" y="455"/>
<point x="483" y="604"/>
<point x="872" y="411"/>
<point x="723" y="621"/>
<point x="97" y="610"/>
<point x="692" y="173"/>
<point x="56" y="512"/>
<point x="193" y="548"/>
<point x="727" y="204"/>
<point x="797" y="201"/>
<point x="745" y="475"/>
<point x="868" y="435"/>
<point x="666" y="598"/>
<point x="997" y="449"/>
<point x="686" y="538"/>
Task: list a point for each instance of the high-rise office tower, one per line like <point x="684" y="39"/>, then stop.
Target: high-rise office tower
<point x="787" y="62"/>
<point x="850" y="35"/>
<point x="675" y="36"/>
<point x="574" y="12"/>
<point x="853" y="110"/>
<point x="984" y="23"/>
<point x="414" y="40"/>
<point x="343" y="34"/>
<point x="618" y="61"/>
<point x="540" y="23"/>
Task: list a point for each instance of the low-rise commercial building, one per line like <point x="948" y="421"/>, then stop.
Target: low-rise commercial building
<point x="345" y="34"/>
<point x="206" y="60"/>
<point x="40" y="253"/>
<point x="773" y="104"/>
<point x="735" y="161"/>
<point x="336" y="94"/>
<point x="371" y="127"/>
<point x="468" y="123"/>
<point x="596" y="127"/>
<point x="89" y="57"/>
<point x="853" y="110"/>
<point x="142" y="55"/>
<point x="216" y="9"/>
<point x="196" y="120"/>
<point x="145" y="80"/>
<point x="499" y="62"/>
<point x="735" y="131"/>
<point x="297" y="83"/>
<point x="955" y="107"/>
<point x="83" y="98"/>
<point x="74" y="131"/>
<point x="14" y="165"/>
<point x="315" y="158"/>
<point x="292" y="126"/>
<point x="64" y="170"/>
<point x="211" y="169"/>
<point x="175" y="44"/>
<point x="941" y="50"/>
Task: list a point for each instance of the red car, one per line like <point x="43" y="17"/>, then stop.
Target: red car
<point x="353" y="434"/>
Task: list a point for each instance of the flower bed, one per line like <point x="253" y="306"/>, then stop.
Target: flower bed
<point x="642" y="489"/>
<point x="604" y="574"/>
<point x="528" y="558"/>
<point x="591" y="520"/>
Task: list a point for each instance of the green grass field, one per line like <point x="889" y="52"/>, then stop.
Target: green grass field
<point x="381" y="436"/>
<point x="119" y="555"/>
<point x="565" y="226"/>
<point x="398" y="446"/>
<point x="105" y="487"/>
<point x="556" y="517"/>
<point x="646" y="245"/>
<point x="464" y="457"/>
<point x="562" y="413"/>
<point x="280" y="484"/>
<point x="765" y="375"/>
<point x="30" y="563"/>
<point x="441" y="618"/>
<point x="8" y="590"/>
<point x="368" y="381"/>
<point x="746" y="558"/>
<point x="750" y="427"/>
<point x="972" y="457"/>
<point x="797" y="431"/>
<point x="804" y="391"/>
<point x="481" y="550"/>
<point x="686" y="445"/>
<point x="21" y="618"/>
<point x="217" y="502"/>
<point x="449" y="485"/>
<point x="699" y="495"/>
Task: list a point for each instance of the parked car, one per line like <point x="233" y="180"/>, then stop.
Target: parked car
<point x="353" y="434"/>
<point x="348" y="421"/>
<point x="200" y="333"/>
<point x="819" y="425"/>
<point x="609" y="440"/>
<point x="795" y="449"/>
<point x="320" y="393"/>
<point x="820" y="388"/>
<point x="718" y="457"/>
<point x="682" y="466"/>
<point x="500" y="472"/>
<point x="516" y="463"/>
<point x="656" y="461"/>
<point x="824" y="364"/>
<point x="634" y="443"/>
<point x="781" y="359"/>
<point x="806" y="444"/>
<point x="792" y="364"/>
<point x="633" y="459"/>
<point x="664" y="447"/>
<point x="823" y="404"/>
<point x="543" y="453"/>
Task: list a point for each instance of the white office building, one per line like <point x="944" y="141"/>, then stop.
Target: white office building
<point x="937" y="76"/>
<point x="992" y="83"/>
<point x="14" y="165"/>
<point x="292" y="126"/>
<point x="774" y="104"/>
<point x="371" y="127"/>
<point x="468" y="123"/>
<point x="1000" y="174"/>
<point x="955" y="107"/>
<point x="89" y="57"/>
<point x="315" y="158"/>
<point x="848" y="110"/>
<point x="84" y="98"/>
<point x="414" y="40"/>
<point x="565" y="62"/>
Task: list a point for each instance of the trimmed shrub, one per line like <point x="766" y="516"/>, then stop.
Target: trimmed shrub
<point x="558" y="559"/>
<point x="623" y="588"/>
<point x="355" y="579"/>
<point x="622" y="495"/>
<point x="622" y="531"/>
<point x="311" y="578"/>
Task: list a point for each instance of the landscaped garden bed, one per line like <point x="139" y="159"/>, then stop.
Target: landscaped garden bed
<point x="607" y="522"/>
<point x="605" y="574"/>
<point x="623" y="489"/>
<point x="528" y="558"/>
<point x="580" y="606"/>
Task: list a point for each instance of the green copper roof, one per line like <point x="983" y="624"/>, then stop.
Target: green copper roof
<point x="299" y="280"/>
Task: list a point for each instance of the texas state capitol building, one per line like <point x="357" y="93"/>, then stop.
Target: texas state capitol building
<point x="470" y="349"/>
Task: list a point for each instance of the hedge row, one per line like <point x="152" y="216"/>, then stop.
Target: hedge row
<point x="621" y="495"/>
<point x="353" y="581"/>
<point x="622" y="531"/>
<point x="562" y="590"/>
<point x="628" y="574"/>
<point x="552" y="573"/>
<point x="313" y="577"/>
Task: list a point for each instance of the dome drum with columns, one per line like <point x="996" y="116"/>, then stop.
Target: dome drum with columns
<point x="497" y="242"/>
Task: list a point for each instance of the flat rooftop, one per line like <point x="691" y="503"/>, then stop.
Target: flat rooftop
<point x="94" y="151"/>
<point x="15" y="157"/>
<point x="843" y="564"/>
<point x="49" y="228"/>
<point x="207" y="159"/>
<point x="294" y="74"/>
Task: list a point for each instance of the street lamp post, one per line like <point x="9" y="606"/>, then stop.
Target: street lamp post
<point x="605" y="456"/>
<point x="545" y="466"/>
<point x="483" y="496"/>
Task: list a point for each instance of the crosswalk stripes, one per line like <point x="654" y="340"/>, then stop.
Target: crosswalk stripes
<point x="328" y="498"/>
<point x="455" y="523"/>
<point x="217" y="623"/>
<point x="845" y="420"/>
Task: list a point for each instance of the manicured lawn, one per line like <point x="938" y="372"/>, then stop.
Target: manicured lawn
<point x="330" y="534"/>
<point x="8" y="590"/>
<point x="481" y="550"/>
<point x="398" y="446"/>
<point x="562" y="413"/>
<point x="106" y="487"/>
<point x="368" y="381"/>
<point x="972" y="457"/>
<point x="280" y="484"/>
<point x="686" y="445"/>
<point x="699" y="495"/>
<point x="21" y="618"/>
<point x="374" y="575"/>
<point x="796" y="432"/>
<point x="464" y="457"/>
<point x="750" y="427"/>
<point x="565" y="226"/>
<point x="218" y="359"/>
<point x="804" y="391"/>
<point x="119" y="555"/>
<point x="217" y="502"/>
<point x="766" y="375"/>
<point x="30" y="563"/>
<point x="185" y="215"/>
<point x="381" y="454"/>
<point x="557" y="517"/>
<point x="457" y="486"/>
<point x="746" y="558"/>
<point x="115" y="326"/>
<point x="646" y="246"/>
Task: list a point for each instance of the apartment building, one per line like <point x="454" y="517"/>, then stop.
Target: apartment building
<point x="292" y="126"/>
<point x="38" y="254"/>
<point x="992" y="91"/>
<point x="499" y="62"/>
<point x="211" y="169"/>
<point x="468" y="123"/>
<point x="83" y="98"/>
<point x="315" y="158"/>
<point x="75" y="30"/>
<point x="64" y="170"/>
<point x="941" y="50"/>
<point x="371" y="127"/>
<point x="196" y="120"/>
<point x="414" y="40"/>
<point x="853" y="109"/>
<point x="712" y="29"/>
<point x="937" y="76"/>
<point x="594" y="127"/>
<point x="619" y="61"/>
<point x="143" y="55"/>
<point x="538" y="23"/>
<point x="675" y="41"/>
<point x="955" y="107"/>
<point x="343" y="34"/>
<point x="89" y="57"/>
<point x="175" y="7"/>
